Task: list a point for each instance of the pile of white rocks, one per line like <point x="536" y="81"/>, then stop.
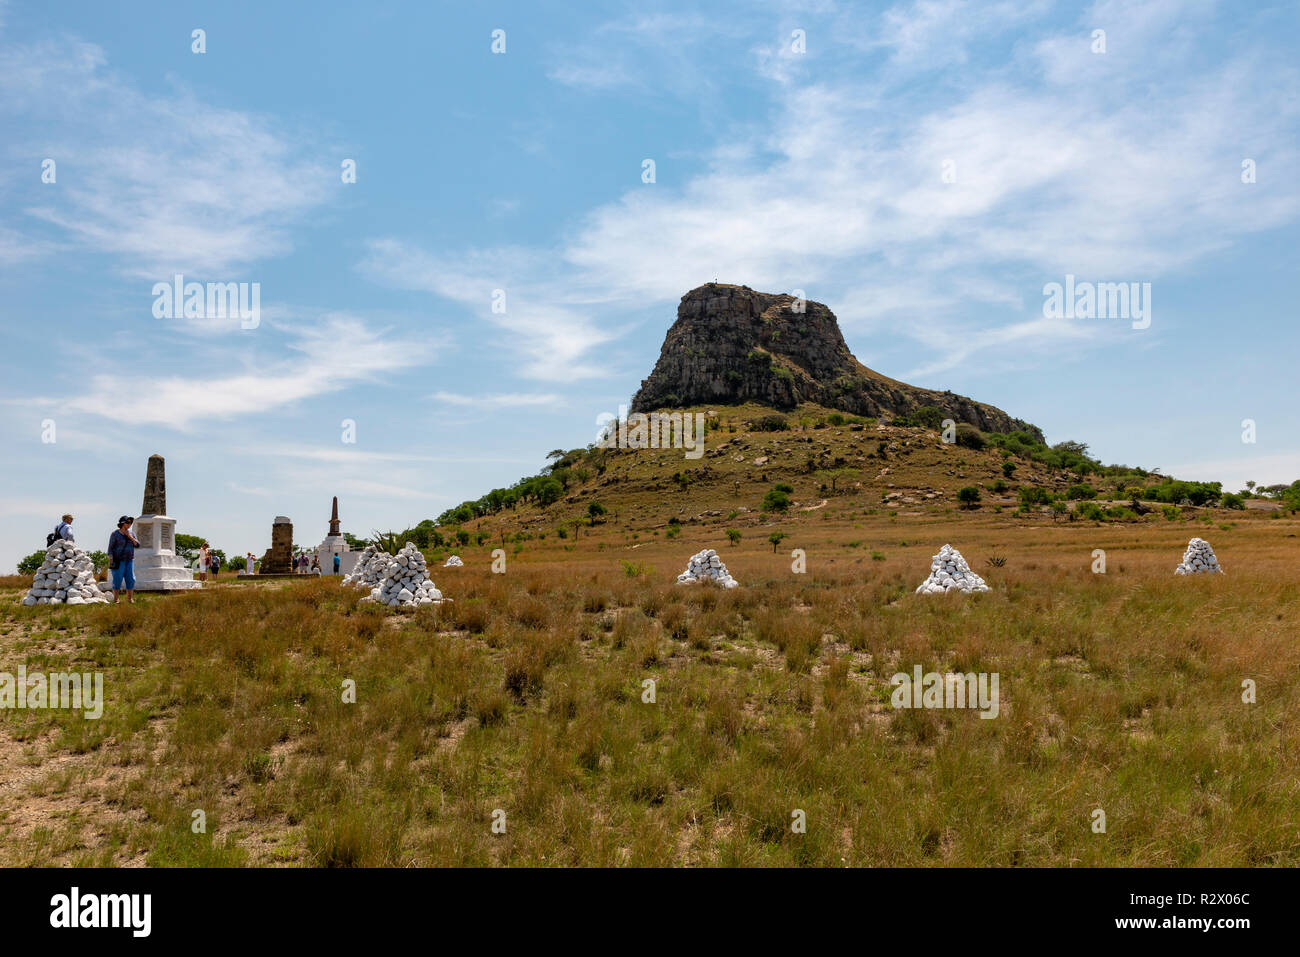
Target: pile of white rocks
<point x="453" y="562"/>
<point x="948" y="572"/>
<point x="707" y="566"/>
<point x="1199" y="557"/>
<point x="404" y="582"/>
<point x="66" y="577"/>
<point x="369" y="569"/>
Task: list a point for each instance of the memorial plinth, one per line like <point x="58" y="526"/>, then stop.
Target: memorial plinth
<point x="157" y="566"/>
<point x="335" y="544"/>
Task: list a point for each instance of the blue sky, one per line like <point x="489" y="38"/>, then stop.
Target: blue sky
<point x="820" y="170"/>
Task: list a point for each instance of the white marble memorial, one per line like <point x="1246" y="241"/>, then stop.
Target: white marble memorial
<point x="336" y="544"/>
<point x="157" y="566"/>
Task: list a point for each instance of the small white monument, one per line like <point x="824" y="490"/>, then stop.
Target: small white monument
<point x="335" y="544"/>
<point x="157" y="566"/>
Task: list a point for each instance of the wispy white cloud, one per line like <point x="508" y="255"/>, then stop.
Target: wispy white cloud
<point x="163" y="184"/>
<point x="551" y="326"/>
<point x="311" y="370"/>
<point x="495" y="402"/>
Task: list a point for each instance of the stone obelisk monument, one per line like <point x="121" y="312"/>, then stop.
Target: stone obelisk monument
<point x="157" y="566"/>
<point x="335" y="544"/>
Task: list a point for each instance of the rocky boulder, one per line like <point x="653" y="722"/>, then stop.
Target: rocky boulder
<point x="731" y="344"/>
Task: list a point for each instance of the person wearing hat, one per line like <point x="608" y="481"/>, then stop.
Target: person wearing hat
<point x="64" y="529"/>
<point x="121" y="558"/>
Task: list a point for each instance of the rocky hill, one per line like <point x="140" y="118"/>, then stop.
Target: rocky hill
<point x="731" y="345"/>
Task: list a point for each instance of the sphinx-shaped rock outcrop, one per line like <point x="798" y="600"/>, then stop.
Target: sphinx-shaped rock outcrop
<point x="732" y="344"/>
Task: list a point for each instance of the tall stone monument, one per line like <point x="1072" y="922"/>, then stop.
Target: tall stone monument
<point x="278" y="559"/>
<point x="335" y="544"/>
<point x="157" y="566"/>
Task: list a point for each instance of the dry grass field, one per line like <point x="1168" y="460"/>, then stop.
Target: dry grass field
<point x="1119" y="691"/>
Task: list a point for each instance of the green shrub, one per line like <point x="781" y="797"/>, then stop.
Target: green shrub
<point x="776" y="500"/>
<point x="770" y="423"/>
<point x="1033" y="495"/>
<point x="969" y="437"/>
<point x="30" y="564"/>
<point x="1089" y="511"/>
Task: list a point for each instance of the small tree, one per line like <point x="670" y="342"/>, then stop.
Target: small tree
<point x="734" y="535"/>
<point x="1033" y="495"/>
<point x="777" y="499"/>
<point x="30" y="564"/>
<point x="776" y="538"/>
<point x="836" y="474"/>
<point x="594" y="511"/>
<point x="1008" y="469"/>
<point x="968" y="496"/>
<point x="1059" y="509"/>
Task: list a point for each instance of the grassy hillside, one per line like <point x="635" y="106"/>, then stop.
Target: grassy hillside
<point x="836" y="466"/>
<point x="1120" y="691"/>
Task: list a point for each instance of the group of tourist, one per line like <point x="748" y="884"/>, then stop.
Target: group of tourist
<point x="121" y="557"/>
<point x="209" y="561"/>
<point x="121" y="553"/>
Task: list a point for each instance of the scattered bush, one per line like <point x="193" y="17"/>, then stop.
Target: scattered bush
<point x="770" y="423"/>
<point x="969" y="437"/>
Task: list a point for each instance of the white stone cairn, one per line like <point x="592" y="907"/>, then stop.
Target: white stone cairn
<point x="66" y="577"/>
<point x="368" y="569"/>
<point x="949" y="572"/>
<point x="707" y="566"/>
<point x="1199" y="557"/>
<point x="404" y="581"/>
<point x="453" y="562"/>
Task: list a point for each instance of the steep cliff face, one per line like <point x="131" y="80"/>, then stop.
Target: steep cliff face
<point x="731" y="344"/>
